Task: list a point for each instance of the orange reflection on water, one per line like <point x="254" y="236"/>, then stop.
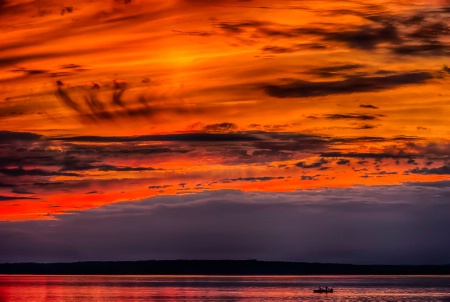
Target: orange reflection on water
<point x="221" y="288"/>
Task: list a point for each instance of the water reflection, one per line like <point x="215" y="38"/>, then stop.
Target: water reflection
<point x="212" y="288"/>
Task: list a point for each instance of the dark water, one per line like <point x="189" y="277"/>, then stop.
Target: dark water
<point x="212" y="288"/>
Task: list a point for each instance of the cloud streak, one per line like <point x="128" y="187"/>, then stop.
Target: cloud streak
<point x="357" y="84"/>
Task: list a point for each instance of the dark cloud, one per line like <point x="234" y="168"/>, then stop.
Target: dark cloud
<point x="362" y="117"/>
<point x="292" y="48"/>
<point x="368" y="106"/>
<point x="291" y="142"/>
<point x="160" y="187"/>
<point x="432" y="48"/>
<point x="35" y="159"/>
<point x="315" y="165"/>
<point x="194" y="137"/>
<point x="251" y="179"/>
<point x="93" y="192"/>
<point x="343" y="162"/>
<point x="46" y="184"/>
<point x="30" y="71"/>
<point x="446" y="69"/>
<point x="34" y="172"/>
<point x="430" y="30"/>
<point x="305" y="177"/>
<point x="279" y="49"/>
<point x="239" y="27"/>
<point x="10" y="198"/>
<point x="373" y="139"/>
<point x="364" y="155"/>
<point x="13" y="60"/>
<point x="66" y="99"/>
<point x="9" y="7"/>
<point x="82" y="153"/>
<point x="411" y="161"/>
<point x="73" y="163"/>
<point x="119" y="89"/>
<point x="6" y="185"/>
<point x="303" y="89"/>
<point x="433" y="184"/>
<point x="10" y="136"/>
<point x="194" y="33"/>
<point x="432" y="150"/>
<point x="389" y="225"/>
<point x="295" y="136"/>
<point x="29" y="157"/>
<point x="367" y="126"/>
<point x="71" y="66"/>
<point x="421" y="34"/>
<point x="21" y="191"/>
<point x="443" y="170"/>
<point x="221" y="127"/>
<point x="367" y="37"/>
<point x="108" y="168"/>
<point x="239" y="156"/>
<point x="331" y="71"/>
<point x="94" y="103"/>
<point x="68" y="10"/>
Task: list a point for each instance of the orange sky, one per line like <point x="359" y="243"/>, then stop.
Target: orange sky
<point x="107" y="101"/>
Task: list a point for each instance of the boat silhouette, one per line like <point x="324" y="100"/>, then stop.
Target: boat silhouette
<point x="323" y="290"/>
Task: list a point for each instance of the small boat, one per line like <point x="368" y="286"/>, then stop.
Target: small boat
<point x="323" y="290"/>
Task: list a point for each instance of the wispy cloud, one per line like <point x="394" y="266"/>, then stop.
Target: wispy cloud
<point x="303" y="89"/>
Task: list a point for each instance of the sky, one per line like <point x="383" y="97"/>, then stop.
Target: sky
<point x="310" y="130"/>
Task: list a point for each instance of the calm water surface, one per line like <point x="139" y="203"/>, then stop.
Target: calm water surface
<point x="212" y="288"/>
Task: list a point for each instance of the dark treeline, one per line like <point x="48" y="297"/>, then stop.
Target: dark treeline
<point x="216" y="267"/>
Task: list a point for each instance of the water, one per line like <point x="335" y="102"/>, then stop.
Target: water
<point x="31" y="288"/>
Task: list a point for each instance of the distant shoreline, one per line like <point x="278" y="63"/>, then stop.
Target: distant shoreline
<point x="216" y="267"/>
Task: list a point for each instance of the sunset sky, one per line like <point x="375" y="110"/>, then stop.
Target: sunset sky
<point x="299" y="130"/>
